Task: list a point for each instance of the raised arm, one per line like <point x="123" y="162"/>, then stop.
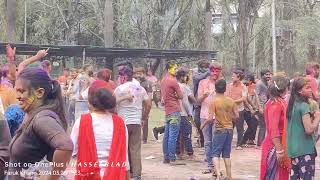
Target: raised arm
<point x="11" y="52"/>
<point x="41" y="54"/>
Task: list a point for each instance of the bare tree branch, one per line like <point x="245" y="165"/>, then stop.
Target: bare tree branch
<point x="40" y="1"/>
<point x="93" y="33"/>
<point x="181" y="13"/>
<point x="62" y="16"/>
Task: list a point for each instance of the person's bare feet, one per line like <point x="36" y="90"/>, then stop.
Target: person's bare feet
<point x="180" y="157"/>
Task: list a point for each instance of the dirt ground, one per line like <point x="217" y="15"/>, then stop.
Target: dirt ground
<point x="245" y="163"/>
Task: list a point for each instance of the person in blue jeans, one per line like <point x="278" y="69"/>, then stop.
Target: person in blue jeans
<point x="170" y="97"/>
<point x="206" y="94"/>
<point x="171" y="132"/>
<point x="186" y="114"/>
<point x="225" y="112"/>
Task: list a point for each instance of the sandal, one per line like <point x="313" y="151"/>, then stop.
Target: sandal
<point x="207" y="171"/>
<point x="214" y="174"/>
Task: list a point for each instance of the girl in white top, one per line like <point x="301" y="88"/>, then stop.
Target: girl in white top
<point x="100" y="100"/>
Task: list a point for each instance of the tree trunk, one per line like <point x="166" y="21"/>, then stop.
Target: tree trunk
<point x="243" y="14"/>
<point x="116" y="15"/>
<point x="108" y="24"/>
<point x="312" y="52"/>
<point x="312" y="48"/>
<point x="285" y="40"/>
<point x="11" y="19"/>
<point x="207" y="26"/>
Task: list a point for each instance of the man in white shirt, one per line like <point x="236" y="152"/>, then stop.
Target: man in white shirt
<point x="185" y="132"/>
<point x="135" y="111"/>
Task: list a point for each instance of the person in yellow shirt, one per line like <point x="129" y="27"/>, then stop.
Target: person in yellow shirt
<point x="225" y="111"/>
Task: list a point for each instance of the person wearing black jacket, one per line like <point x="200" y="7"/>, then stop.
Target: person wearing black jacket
<point x="201" y="74"/>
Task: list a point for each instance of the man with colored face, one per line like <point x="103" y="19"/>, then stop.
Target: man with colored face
<point x="126" y="64"/>
<point x="202" y="73"/>
<point x="312" y="74"/>
<point x="135" y="112"/>
<point x="171" y="96"/>
<point x="262" y="92"/>
<point x="206" y="94"/>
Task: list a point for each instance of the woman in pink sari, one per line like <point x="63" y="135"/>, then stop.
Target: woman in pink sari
<point x="275" y="164"/>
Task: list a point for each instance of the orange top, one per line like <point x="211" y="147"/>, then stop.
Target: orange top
<point x="222" y="108"/>
<point x="252" y="90"/>
<point x="8" y="96"/>
<point x="237" y="91"/>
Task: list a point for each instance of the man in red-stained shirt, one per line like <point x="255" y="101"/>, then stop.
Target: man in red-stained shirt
<point x="171" y="95"/>
<point x="312" y="73"/>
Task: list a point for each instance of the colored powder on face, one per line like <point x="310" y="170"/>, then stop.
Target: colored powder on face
<point x="173" y="69"/>
<point x="29" y="102"/>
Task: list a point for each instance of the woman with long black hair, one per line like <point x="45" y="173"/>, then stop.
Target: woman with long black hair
<point x="302" y="124"/>
<point x="275" y="164"/>
<point x="43" y="131"/>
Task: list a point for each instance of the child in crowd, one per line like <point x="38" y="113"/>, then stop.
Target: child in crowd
<point x="225" y="111"/>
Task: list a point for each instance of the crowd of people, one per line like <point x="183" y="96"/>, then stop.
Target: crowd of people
<point x="286" y="112"/>
<point x="106" y="120"/>
<point x="90" y="127"/>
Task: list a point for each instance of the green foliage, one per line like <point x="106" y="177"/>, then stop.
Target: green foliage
<point x="165" y="24"/>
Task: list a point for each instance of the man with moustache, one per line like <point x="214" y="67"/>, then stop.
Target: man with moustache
<point x="201" y="73"/>
<point x="262" y="92"/>
<point x="206" y="94"/>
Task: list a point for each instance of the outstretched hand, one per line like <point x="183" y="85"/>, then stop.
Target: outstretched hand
<point x="42" y="53"/>
<point x="11" y="52"/>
